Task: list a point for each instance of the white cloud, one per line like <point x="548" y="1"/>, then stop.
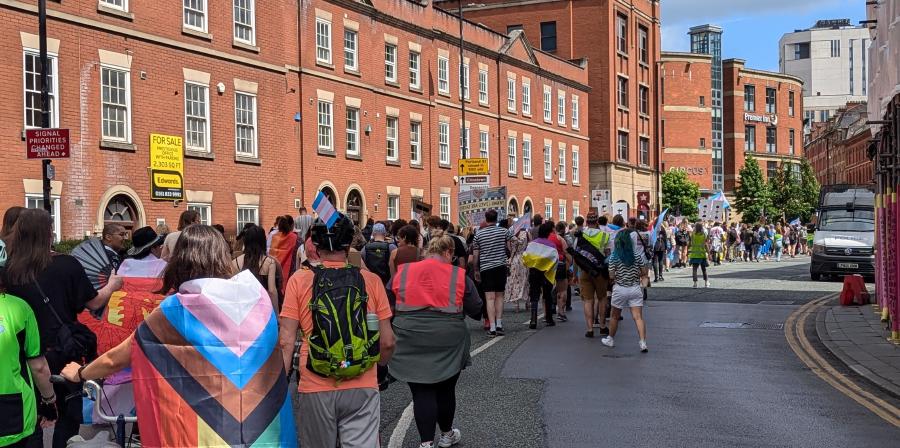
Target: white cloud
<point x="697" y="12"/>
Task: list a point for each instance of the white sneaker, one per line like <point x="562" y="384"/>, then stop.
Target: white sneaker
<point x="643" y="345"/>
<point x="449" y="439"/>
<point x="695" y="285"/>
<point x="707" y="283"/>
<point x="608" y="341"/>
<point x="426" y="445"/>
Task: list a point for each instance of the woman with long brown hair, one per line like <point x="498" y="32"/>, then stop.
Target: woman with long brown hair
<point x="408" y="251"/>
<point x="57" y="289"/>
<point x="254" y="259"/>
<point x="182" y="356"/>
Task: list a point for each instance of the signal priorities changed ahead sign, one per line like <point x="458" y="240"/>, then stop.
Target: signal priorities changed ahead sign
<point x="166" y="168"/>
<point x="47" y="143"/>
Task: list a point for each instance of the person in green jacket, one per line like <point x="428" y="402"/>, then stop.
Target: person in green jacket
<point x="21" y="365"/>
<point x="698" y="253"/>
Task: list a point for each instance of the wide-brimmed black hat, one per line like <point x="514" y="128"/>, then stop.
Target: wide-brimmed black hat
<point x="143" y="240"/>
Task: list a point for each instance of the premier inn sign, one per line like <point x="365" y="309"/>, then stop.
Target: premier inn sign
<point x="770" y="119"/>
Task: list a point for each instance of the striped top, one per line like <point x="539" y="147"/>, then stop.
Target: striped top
<point x="625" y="275"/>
<point x="490" y="242"/>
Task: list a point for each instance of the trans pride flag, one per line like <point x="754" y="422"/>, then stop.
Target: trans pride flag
<point x="208" y="370"/>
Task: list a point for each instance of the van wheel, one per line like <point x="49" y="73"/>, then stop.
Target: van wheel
<point x="815" y="276"/>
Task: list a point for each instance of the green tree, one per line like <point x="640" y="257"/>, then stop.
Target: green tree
<point x="752" y="193"/>
<point x="809" y="191"/>
<point x="785" y="193"/>
<point x="680" y="195"/>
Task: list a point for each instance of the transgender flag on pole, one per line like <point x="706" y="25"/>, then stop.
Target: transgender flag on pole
<point x="325" y="210"/>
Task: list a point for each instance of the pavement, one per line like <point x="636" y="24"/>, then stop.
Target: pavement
<point x="856" y="336"/>
<point x="719" y="374"/>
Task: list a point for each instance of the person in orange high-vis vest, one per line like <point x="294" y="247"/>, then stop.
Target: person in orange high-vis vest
<point x="432" y="299"/>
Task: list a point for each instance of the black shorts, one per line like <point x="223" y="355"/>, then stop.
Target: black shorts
<point x="561" y="272"/>
<point x="494" y="279"/>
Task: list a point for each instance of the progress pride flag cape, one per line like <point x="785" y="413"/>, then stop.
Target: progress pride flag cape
<point x="208" y="371"/>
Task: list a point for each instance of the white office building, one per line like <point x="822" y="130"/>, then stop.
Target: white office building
<point x="832" y="59"/>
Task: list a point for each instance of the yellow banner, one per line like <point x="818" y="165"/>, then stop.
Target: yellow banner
<point x="474" y="167"/>
<point x="166" y="167"/>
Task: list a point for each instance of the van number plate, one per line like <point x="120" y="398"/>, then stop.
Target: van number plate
<point x="848" y="266"/>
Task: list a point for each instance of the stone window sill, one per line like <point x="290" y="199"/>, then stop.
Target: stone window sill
<point x="195" y="33"/>
<point x="247" y="160"/>
<point x="392" y="162"/>
<point x="351" y="72"/>
<point x="354" y="157"/>
<point x="118" y="146"/>
<point x="199" y="155"/>
<point x="324" y="65"/>
<point x="394" y="84"/>
<point x="244" y="46"/>
<point x="326" y="152"/>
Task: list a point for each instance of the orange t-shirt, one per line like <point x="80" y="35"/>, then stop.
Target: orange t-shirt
<point x="296" y="306"/>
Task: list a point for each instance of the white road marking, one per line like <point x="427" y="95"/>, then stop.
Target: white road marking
<point x="406" y="418"/>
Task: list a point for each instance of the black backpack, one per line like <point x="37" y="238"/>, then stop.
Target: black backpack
<point x="587" y="257"/>
<point x="377" y="260"/>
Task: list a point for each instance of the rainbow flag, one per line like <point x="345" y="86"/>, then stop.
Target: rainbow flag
<point x="208" y="370"/>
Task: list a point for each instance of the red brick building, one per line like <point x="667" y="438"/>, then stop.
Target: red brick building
<point x="621" y="39"/>
<point x="686" y="116"/>
<point x="263" y="110"/>
<point x="762" y="116"/>
<point x="837" y="149"/>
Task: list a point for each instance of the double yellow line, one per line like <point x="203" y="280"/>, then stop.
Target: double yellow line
<point x="796" y="338"/>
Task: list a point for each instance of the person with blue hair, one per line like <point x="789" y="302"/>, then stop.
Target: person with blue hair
<point x="625" y="271"/>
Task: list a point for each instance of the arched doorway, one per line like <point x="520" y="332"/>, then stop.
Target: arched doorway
<point x="512" y="209"/>
<point x="121" y="210"/>
<point x="332" y="197"/>
<point x="355" y="207"/>
<point x="527" y="207"/>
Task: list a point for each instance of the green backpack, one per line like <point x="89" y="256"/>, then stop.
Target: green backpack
<point x="341" y="344"/>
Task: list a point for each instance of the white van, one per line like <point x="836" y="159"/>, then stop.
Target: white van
<point x="845" y="232"/>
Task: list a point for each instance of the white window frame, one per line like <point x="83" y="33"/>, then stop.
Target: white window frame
<point x="54" y="88"/>
<point x="204" y="12"/>
<point x="415" y="63"/>
<point x="325" y="122"/>
<point x="576" y="166"/>
<point x="484" y="144"/>
<point x="482" y="87"/>
<point x="526" y="98"/>
<point x="251" y="6"/>
<point x="126" y="105"/>
<point x="575" y="111"/>
<point x="254" y="209"/>
<point x="393" y="207"/>
<point x="351" y="130"/>
<point x="548" y="163"/>
<point x="112" y="4"/>
<point x="562" y="212"/>
<point x="561" y="156"/>
<point x="511" y="94"/>
<point x="207" y="145"/>
<point x="561" y="108"/>
<point x="464" y="91"/>
<point x="443" y="70"/>
<point x="203" y="209"/>
<point x="323" y="41"/>
<point x="445" y="206"/>
<point x="351" y="48"/>
<point x="548" y="210"/>
<point x="390" y="62"/>
<point x="391" y="138"/>
<point x="252" y="125"/>
<point x="55" y="205"/>
<point x="526" y="157"/>
<point x="576" y="210"/>
<point x="415" y="142"/>
<point x="444" y="143"/>
<point x="512" y="161"/>
<point x="548" y="106"/>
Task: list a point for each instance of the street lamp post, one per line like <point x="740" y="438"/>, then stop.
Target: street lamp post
<point x="45" y="96"/>
<point x="463" y="87"/>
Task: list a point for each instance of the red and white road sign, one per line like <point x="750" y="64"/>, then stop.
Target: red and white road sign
<point x="47" y="143"/>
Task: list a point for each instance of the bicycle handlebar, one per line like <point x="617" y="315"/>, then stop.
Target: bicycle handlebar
<point x="94" y="392"/>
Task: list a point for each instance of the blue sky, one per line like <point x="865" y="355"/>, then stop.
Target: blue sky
<point x="751" y="27"/>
